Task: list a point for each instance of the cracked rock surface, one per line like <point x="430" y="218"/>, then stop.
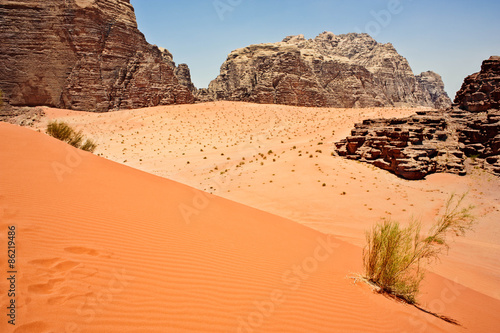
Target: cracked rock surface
<point x="82" y="55"/>
<point x="351" y="70"/>
<point x="436" y="141"/>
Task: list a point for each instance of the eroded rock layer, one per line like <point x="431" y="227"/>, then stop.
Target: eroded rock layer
<point x="350" y="70"/>
<point x="82" y="55"/>
<point x="481" y="91"/>
<point x="436" y="141"/>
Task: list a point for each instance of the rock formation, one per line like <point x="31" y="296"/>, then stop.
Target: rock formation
<point x="481" y="91"/>
<point x="436" y="141"/>
<point x="181" y="72"/>
<point x="82" y="55"/>
<point x="432" y="83"/>
<point x="410" y="147"/>
<point x="183" y="75"/>
<point x="350" y="70"/>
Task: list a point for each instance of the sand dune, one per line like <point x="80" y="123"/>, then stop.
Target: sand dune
<point x="278" y="159"/>
<point x="103" y="247"/>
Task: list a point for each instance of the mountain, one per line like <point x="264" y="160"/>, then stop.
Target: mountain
<point x="351" y="70"/>
<point x="82" y="55"/>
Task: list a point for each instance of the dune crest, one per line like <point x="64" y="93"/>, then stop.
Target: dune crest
<point x="108" y="248"/>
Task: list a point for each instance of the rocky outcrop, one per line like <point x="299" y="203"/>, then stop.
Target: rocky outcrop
<point x="435" y="141"/>
<point x="82" y="55"/>
<point x="183" y="75"/>
<point x="432" y="83"/>
<point x="479" y="136"/>
<point x="181" y="72"/>
<point x="481" y="91"/>
<point x="410" y="147"/>
<point x="350" y="70"/>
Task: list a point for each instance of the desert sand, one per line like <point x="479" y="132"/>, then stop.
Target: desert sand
<point x="141" y="246"/>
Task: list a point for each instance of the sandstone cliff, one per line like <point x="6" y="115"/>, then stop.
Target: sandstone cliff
<point x="82" y="55"/>
<point x="481" y="91"/>
<point x="436" y="141"/>
<point x="432" y="83"/>
<point x="350" y="70"/>
<point x="183" y="74"/>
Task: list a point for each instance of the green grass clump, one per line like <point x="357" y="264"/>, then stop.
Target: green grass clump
<point x="64" y="132"/>
<point x="394" y="257"/>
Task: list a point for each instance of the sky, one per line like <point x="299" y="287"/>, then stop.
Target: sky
<point x="451" y="38"/>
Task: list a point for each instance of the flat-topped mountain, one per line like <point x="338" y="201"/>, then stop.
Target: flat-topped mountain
<point x="351" y="70"/>
<point x="82" y="55"/>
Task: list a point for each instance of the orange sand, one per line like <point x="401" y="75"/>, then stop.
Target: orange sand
<point x="106" y="248"/>
<point x="222" y="142"/>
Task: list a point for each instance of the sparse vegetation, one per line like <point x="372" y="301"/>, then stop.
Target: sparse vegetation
<point x="89" y="146"/>
<point x="474" y="157"/>
<point x="64" y="132"/>
<point x="394" y="257"/>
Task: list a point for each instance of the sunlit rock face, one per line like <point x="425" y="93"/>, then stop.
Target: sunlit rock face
<point x="82" y="55"/>
<point x="351" y="70"/>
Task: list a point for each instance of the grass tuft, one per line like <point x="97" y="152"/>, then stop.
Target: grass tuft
<point x="394" y="256"/>
<point x="89" y="146"/>
<point x="64" y="132"/>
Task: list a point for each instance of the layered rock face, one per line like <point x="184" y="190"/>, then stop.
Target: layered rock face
<point x="350" y="70"/>
<point x="183" y="74"/>
<point x="481" y="91"/>
<point x="432" y="83"/>
<point x="82" y="55"/>
<point x="409" y="147"/>
<point x="435" y="141"/>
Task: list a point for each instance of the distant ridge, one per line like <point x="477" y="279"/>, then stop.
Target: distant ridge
<point x="351" y="70"/>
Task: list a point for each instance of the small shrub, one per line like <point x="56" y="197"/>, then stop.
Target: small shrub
<point x="60" y="131"/>
<point x="64" y="132"/>
<point x="89" y="146"/>
<point x="76" y="139"/>
<point x="393" y="258"/>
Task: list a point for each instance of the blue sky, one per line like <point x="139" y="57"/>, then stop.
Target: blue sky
<point x="449" y="37"/>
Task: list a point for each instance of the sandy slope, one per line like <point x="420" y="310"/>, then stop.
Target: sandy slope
<point x="278" y="159"/>
<point x="107" y="248"/>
